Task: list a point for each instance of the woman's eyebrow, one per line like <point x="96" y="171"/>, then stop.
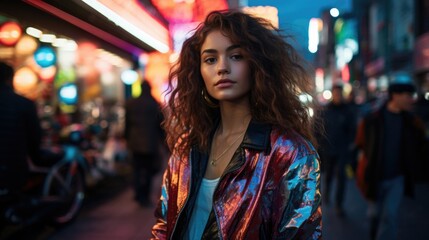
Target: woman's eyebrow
<point x="230" y="48"/>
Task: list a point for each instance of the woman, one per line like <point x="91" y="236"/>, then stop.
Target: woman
<point x="243" y="165"/>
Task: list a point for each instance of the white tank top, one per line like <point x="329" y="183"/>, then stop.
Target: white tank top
<point x="202" y="209"/>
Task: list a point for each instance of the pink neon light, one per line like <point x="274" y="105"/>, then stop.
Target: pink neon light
<point x="85" y="26"/>
<point x="135" y="13"/>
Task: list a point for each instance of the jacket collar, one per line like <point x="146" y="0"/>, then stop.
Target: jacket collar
<point x="257" y="136"/>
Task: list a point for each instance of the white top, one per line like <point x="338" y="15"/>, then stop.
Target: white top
<point x="202" y="209"/>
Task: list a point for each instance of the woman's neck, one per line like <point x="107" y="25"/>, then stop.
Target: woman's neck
<point x="234" y="118"/>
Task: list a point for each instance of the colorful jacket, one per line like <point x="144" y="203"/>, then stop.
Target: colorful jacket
<point x="269" y="190"/>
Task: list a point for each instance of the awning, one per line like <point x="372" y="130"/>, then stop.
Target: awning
<point x="77" y="20"/>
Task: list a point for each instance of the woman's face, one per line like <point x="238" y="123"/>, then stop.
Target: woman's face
<point x="224" y="68"/>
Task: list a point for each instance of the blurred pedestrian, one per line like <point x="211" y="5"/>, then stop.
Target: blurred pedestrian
<point x="243" y="165"/>
<point x="336" y="146"/>
<point x="421" y="109"/>
<point x="144" y="137"/>
<point x="20" y="135"/>
<point x="392" y="139"/>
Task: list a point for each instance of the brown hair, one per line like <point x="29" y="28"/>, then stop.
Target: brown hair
<point x="278" y="76"/>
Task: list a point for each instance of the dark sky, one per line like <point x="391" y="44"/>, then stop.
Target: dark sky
<point x="294" y="16"/>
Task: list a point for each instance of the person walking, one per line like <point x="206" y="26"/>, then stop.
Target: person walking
<point x="335" y="146"/>
<point x="20" y="136"/>
<point x="391" y="140"/>
<point x="144" y="137"/>
<point x="243" y="164"/>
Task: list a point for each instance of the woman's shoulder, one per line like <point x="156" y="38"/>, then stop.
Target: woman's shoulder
<point x="291" y="141"/>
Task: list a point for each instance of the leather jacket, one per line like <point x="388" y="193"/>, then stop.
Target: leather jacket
<point x="269" y="190"/>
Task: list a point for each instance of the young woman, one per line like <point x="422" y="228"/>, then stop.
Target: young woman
<point x="243" y="165"/>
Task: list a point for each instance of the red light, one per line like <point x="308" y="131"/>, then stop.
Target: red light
<point x="345" y="73"/>
<point x="10" y="32"/>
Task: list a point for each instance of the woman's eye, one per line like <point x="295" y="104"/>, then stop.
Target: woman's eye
<point x="237" y="57"/>
<point x="210" y="60"/>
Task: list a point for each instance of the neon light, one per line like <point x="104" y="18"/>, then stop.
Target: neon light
<point x="129" y="76"/>
<point x="10" y="32"/>
<point x="345" y="73"/>
<point x="313" y="34"/>
<point x="127" y="26"/>
<point x="47" y="38"/>
<point x="68" y="94"/>
<point x="320" y="83"/>
<point x="34" y="32"/>
<point x="83" y="25"/>
<point x="45" y="57"/>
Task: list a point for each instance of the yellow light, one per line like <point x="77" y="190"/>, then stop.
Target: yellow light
<point x="26" y="45"/>
<point x="136" y="89"/>
<point x="25" y="80"/>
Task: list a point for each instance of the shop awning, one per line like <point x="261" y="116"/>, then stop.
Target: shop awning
<point x="78" y="20"/>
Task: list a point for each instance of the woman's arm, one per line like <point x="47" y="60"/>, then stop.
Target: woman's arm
<point x="159" y="230"/>
<point x="298" y="200"/>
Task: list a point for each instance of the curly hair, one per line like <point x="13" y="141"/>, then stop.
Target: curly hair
<point x="278" y="76"/>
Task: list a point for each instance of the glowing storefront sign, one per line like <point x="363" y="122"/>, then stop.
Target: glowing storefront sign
<point x="132" y="17"/>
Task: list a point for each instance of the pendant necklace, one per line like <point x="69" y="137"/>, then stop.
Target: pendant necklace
<point x="215" y="159"/>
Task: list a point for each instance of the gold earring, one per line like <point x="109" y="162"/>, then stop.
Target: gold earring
<point x="207" y="100"/>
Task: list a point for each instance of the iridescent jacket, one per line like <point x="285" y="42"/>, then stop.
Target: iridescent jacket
<point x="269" y="190"/>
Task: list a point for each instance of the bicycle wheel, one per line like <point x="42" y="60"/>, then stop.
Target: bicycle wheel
<point x="66" y="187"/>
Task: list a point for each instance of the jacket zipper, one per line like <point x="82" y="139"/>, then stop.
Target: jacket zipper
<point x="187" y="197"/>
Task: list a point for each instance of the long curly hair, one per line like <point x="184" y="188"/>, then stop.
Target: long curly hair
<point x="278" y="74"/>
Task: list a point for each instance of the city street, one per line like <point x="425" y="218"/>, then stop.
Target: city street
<point x="354" y="226"/>
<point x="83" y="83"/>
<point x="111" y="213"/>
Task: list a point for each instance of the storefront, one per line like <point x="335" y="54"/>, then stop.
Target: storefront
<point x="67" y="54"/>
<point x="74" y="61"/>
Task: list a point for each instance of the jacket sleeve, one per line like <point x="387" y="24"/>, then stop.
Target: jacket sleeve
<point x="298" y="199"/>
<point x="159" y="230"/>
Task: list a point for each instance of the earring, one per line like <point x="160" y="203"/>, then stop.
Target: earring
<point x="207" y="100"/>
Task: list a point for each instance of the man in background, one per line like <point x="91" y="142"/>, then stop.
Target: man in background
<point x="335" y="147"/>
<point x="391" y="140"/>
<point x="20" y="135"/>
<point x="144" y="137"/>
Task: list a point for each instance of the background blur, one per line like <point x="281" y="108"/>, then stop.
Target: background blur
<point x="80" y="60"/>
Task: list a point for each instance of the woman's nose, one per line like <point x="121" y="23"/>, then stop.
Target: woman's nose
<point x="223" y="67"/>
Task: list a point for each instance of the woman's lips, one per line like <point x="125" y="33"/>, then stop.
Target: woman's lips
<point x="224" y="83"/>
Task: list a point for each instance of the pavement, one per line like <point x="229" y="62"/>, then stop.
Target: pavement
<point x="116" y="216"/>
<point x="413" y="223"/>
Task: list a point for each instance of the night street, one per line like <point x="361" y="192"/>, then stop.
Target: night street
<point x="263" y="107"/>
<point x="111" y="213"/>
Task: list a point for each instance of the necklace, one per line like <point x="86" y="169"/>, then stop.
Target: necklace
<point x="215" y="159"/>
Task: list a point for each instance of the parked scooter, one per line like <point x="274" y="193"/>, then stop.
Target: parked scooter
<point x="55" y="190"/>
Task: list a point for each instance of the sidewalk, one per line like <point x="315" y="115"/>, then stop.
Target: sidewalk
<point x="120" y="218"/>
<point x="355" y="226"/>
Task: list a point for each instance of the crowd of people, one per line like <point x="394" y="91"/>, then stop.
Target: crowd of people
<point x="387" y="148"/>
